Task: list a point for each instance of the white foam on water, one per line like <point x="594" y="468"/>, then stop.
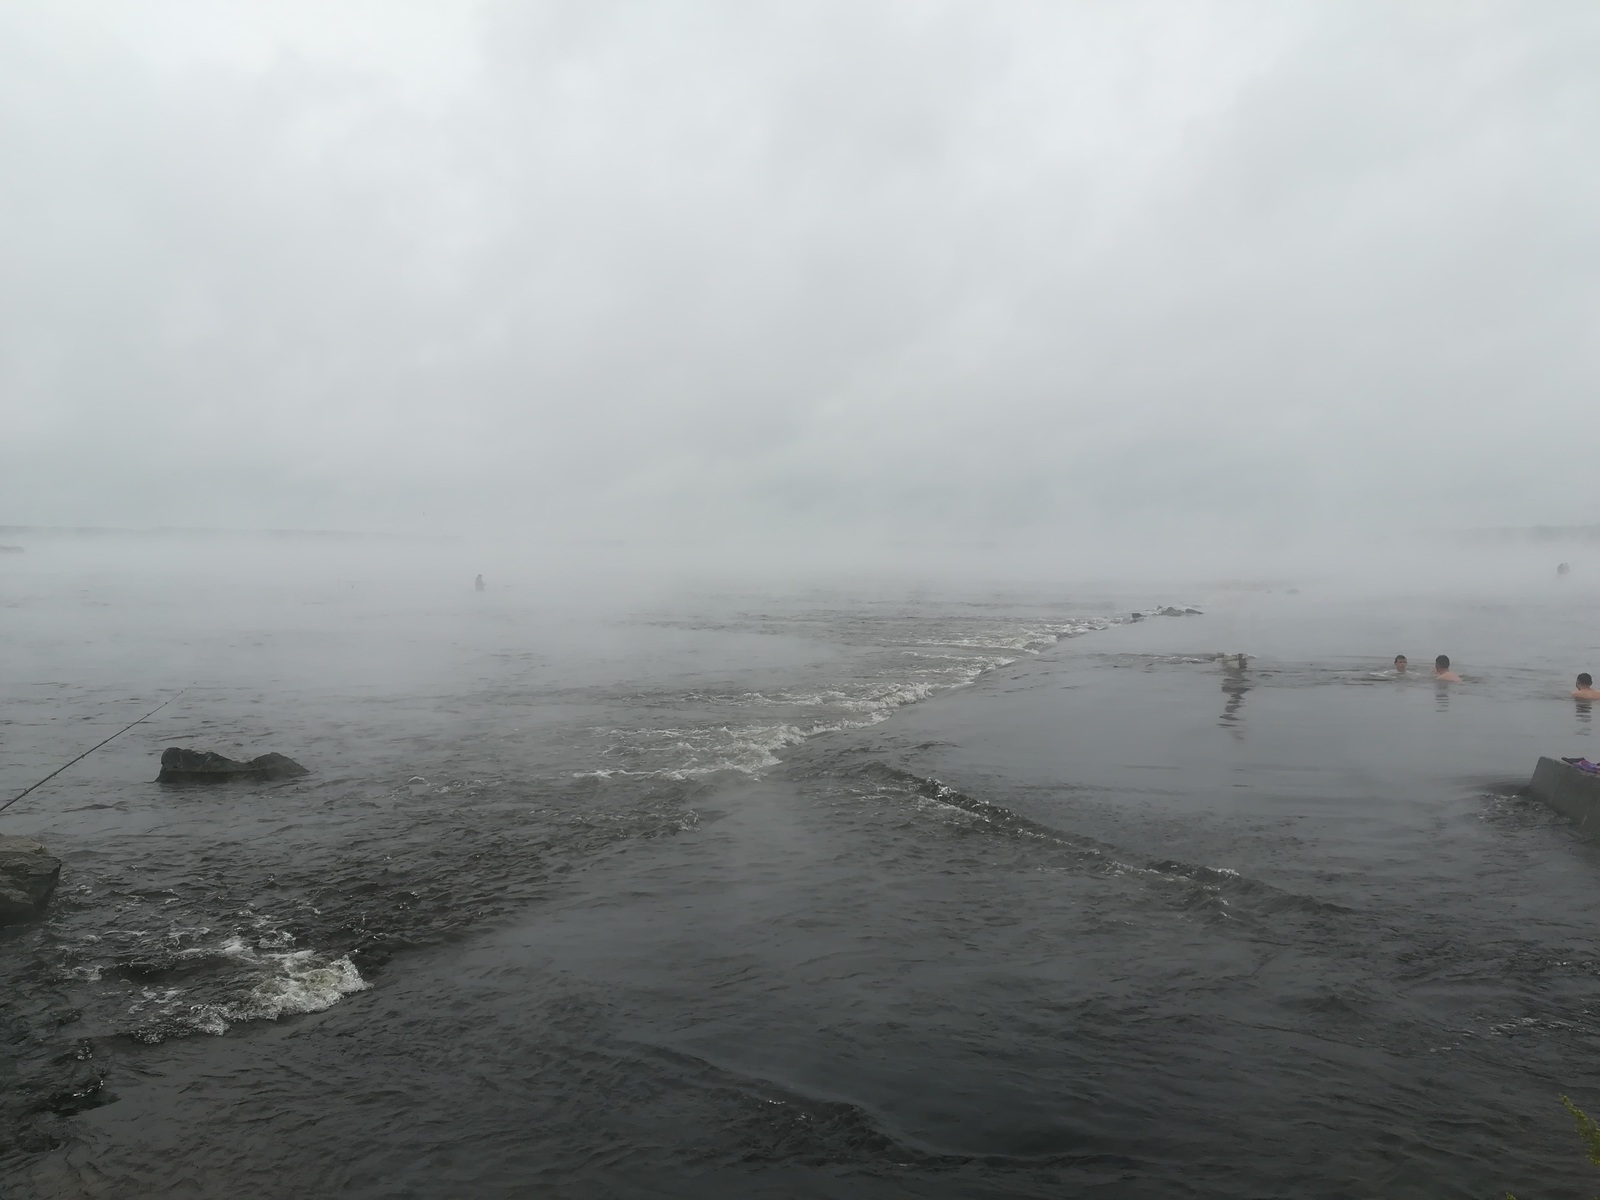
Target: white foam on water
<point x="303" y="983"/>
<point x="937" y="665"/>
<point x="281" y="982"/>
<point x="751" y="749"/>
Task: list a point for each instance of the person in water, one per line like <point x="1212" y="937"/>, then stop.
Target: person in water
<point x="477" y="584"/>
<point x="1400" y="664"/>
<point x="1585" y="689"/>
<point x="1442" y="671"/>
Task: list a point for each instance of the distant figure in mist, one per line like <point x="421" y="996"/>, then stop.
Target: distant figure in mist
<point x="478" y="584"/>
<point x="1400" y="664"/>
<point x="1563" y="569"/>
<point x="1585" y="689"/>
<point x="1442" y="671"/>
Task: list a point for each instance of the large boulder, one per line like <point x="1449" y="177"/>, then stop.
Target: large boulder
<point x="205" y="766"/>
<point x="28" y="874"/>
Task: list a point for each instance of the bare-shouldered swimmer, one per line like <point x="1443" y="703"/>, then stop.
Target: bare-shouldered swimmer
<point x="1442" y="672"/>
<point x="1585" y="689"/>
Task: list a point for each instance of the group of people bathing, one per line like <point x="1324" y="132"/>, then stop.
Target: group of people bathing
<point x="1441" y="668"/>
<point x="1442" y="672"/>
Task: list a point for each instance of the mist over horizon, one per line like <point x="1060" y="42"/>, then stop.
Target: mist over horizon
<point x="807" y="599"/>
<point x="833" y="277"/>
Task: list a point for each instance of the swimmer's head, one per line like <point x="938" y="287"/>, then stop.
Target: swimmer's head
<point x="1585" y="680"/>
<point x="1442" y="663"/>
<point x="1399" y="662"/>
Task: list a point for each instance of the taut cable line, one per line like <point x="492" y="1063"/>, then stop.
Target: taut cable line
<point x="92" y="749"/>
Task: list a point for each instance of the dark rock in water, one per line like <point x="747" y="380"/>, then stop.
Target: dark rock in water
<point x="205" y="766"/>
<point x="1573" y="793"/>
<point x="83" y="1093"/>
<point x="28" y="874"/>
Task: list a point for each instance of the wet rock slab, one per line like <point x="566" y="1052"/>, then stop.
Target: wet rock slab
<point x="179" y="765"/>
<point x="1573" y="793"/>
<point x="28" y="874"/>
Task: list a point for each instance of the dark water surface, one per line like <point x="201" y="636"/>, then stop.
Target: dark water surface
<point x="783" y="892"/>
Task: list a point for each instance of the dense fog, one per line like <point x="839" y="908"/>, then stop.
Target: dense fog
<point x="823" y="283"/>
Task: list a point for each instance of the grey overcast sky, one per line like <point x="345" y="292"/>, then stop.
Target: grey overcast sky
<point x="799" y="270"/>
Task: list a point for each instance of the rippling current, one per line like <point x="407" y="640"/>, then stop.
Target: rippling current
<point x="779" y="891"/>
